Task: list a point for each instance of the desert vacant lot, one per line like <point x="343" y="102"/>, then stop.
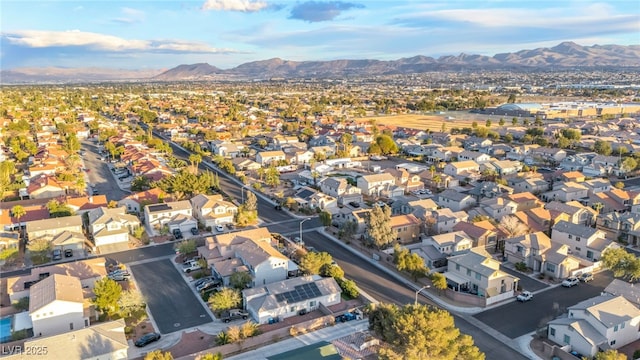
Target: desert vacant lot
<point x="424" y="122"/>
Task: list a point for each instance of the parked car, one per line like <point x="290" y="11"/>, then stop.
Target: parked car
<point x="119" y="277"/>
<point x="230" y="226"/>
<point x="354" y="204"/>
<point x="68" y="253"/>
<point x="198" y="282"/>
<point x="586" y="277"/>
<point x="570" y="281"/>
<point x="177" y="234"/>
<point x="208" y="285"/>
<point x="219" y="228"/>
<point x="147" y="339"/>
<point x="194" y="231"/>
<point x="278" y="207"/>
<point x="234" y="314"/>
<point x="191" y="265"/>
<point x="56" y="254"/>
<point x="525" y="296"/>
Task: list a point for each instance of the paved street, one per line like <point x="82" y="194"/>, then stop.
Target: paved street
<point x="526" y="282"/>
<point x="171" y="301"/>
<point x="99" y="174"/>
<point x="516" y="319"/>
<point x="385" y="288"/>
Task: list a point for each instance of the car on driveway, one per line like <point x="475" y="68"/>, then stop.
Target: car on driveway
<point x="234" y="314"/>
<point x="57" y="254"/>
<point x="354" y="204"/>
<point x="586" y="277"/>
<point x="219" y="228"/>
<point x="194" y="231"/>
<point x="191" y="265"/>
<point x="177" y="234"/>
<point x="525" y="296"/>
<point x="147" y="339"/>
<point x="68" y="253"/>
<point x="570" y="282"/>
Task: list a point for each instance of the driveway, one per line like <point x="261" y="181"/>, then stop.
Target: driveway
<point x="526" y="282"/>
<point x="171" y="301"/>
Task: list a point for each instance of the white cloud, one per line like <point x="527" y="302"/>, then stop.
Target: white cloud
<point x="130" y="16"/>
<point x="102" y="42"/>
<point x="235" y="5"/>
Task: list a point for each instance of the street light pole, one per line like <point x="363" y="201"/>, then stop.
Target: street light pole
<point x="418" y="292"/>
<point x="302" y="222"/>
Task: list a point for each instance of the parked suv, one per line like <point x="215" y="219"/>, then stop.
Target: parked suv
<point x="177" y="234"/>
<point x="56" y="255"/>
<point x="570" y="281"/>
<point x="586" y="277"/>
<point x="525" y="296"/>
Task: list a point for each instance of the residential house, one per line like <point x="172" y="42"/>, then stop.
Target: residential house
<point x="266" y="158"/>
<point x="576" y="162"/>
<point x="438" y="180"/>
<point x="358" y="217"/>
<point x="477" y="273"/>
<point x="49" y="228"/>
<point x="226" y="148"/>
<point x="212" y="210"/>
<point x="450" y="243"/>
<point x="540" y="219"/>
<point x="506" y="167"/>
<point x="565" y="192"/>
<point x="9" y="240"/>
<point x="540" y="254"/>
<point x="454" y="200"/>
<point x="374" y="185"/>
<point x="56" y="305"/>
<point x="135" y="202"/>
<point x="547" y="154"/>
<point x="419" y="208"/>
<point x="174" y="215"/>
<point x="525" y="201"/>
<point x="287" y="298"/>
<point x="406" y="227"/>
<point x="244" y="164"/>
<point x="433" y="259"/>
<point x="620" y="227"/>
<point x="109" y="335"/>
<point x="477" y="157"/>
<point x="249" y="251"/>
<point x="496" y="208"/>
<point x="68" y="240"/>
<point x="46" y="187"/>
<point x="622" y="288"/>
<point x="597" y="324"/>
<point x="87" y="271"/>
<point x="529" y="184"/>
<point x="461" y="168"/>
<point x="520" y="153"/>
<point x="477" y="144"/>
<point x="110" y="228"/>
<point x="333" y="186"/>
<point x="585" y="242"/>
<point x="595" y="186"/>
<point x="572" y="176"/>
<point x="575" y="211"/>
<point x="480" y="235"/>
<point x="489" y="189"/>
<point x="443" y="220"/>
<point x="445" y="153"/>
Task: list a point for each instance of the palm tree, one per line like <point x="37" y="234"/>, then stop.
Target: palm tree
<point x="18" y="211"/>
<point x="437" y="179"/>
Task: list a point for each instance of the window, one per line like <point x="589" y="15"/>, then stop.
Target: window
<point x="468" y="272"/>
<point x="552" y="331"/>
<point x="578" y="238"/>
<point x="292" y="309"/>
<point x="551" y="268"/>
<point x="570" y="236"/>
<point x="312" y="303"/>
<point x="622" y="326"/>
<point x="578" y="248"/>
<point x="613" y="342"/>
<point x="567" y="339"/>
<point x="589" y="254"/>
<point x="478" y="276"/>
<point x="615" y="328"/>
<point x="70" y="326"/>
<point x="457" y="267"/>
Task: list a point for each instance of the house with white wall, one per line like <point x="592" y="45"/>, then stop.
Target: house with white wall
<point x="49" y="228"/>
<point x="597" y="324"/>
<point x="212" y="210"/>
<point x="111" y="226"/>
<point x="287" y="298"/>
<point x="176" y="215"/>
<point x="270" y="157"/>
<point x="56" y="305"/>
<point x="374" y="185"/>
<point x="583" y="241"/>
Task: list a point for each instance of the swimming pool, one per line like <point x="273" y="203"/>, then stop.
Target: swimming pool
<point x="5" y="329"/>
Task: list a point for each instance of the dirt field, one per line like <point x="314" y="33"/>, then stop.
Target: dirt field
<point x="431" y="122"/>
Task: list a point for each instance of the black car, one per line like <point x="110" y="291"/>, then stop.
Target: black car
<point x="278" y="207"/>
<point x="147" y="339"/>
<point x="177" y="234"/>
<point x="68" y="253"/>
<point x="194" y="231"/>
<point x="354" y="204"/>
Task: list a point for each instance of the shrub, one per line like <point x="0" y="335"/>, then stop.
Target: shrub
<point x="22" y="304"/>
<point x="520" y="266"/>
<point x="636" y="354"/>
<point x="349" y="288"/>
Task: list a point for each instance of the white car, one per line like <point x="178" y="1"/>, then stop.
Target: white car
<point x="570" y="282"/>
<point x="525" y="296"/>
<point x="219" y="228"/>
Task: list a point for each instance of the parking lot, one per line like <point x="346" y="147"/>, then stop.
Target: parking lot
<point x="171" y="301"/>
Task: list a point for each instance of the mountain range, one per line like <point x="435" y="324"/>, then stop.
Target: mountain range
<point x="563" y="56"/>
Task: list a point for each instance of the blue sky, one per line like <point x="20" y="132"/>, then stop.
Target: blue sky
<point x="225" y="33"/>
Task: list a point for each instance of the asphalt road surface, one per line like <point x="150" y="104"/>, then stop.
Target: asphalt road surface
<point x="526" y="282"/>
<point x="385" y="288"/>
<point x="99" y="174"/>
<point x="171" y="301"/>
<point x="516" y="319"/>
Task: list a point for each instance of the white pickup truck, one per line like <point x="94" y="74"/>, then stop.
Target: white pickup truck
<point x="191" y="265"/>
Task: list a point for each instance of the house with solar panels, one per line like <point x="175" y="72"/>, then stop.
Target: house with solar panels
<point x="280" y="300"/>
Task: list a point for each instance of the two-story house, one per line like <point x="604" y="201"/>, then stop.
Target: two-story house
<point x="575" y="212"/>
<point x="266" y="158"/>
<point x="540" y="254"/>
<point x="532" y="185"/>
<point x="406" y="228"/>
<point x="461" y="168"/>
<point x="212" y="210"/>
<point x="584" y="242"/>
<point x="496" y="208"/>
<point x="50" y="228"/>
<point x="110" y="228"/>
<point x="565" y="192"/>
<point x="374" y="185"/>
<point x="136" y="201"/>
<point x="443" y="220"/>
<point x="620" y="226"/>
<point x="478" y="157"/>
<point x="477" y="273"/>
<point x="450" y="243"/>
<point x="56" y="305"/>
<point x="455" y="200"/>
<point x="596" y="324"/>
<point x="479" y="234"/>
<point x="174" y="215"/>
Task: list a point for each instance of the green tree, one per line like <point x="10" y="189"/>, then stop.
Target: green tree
<point x="210" y="356"/>
<point x="225" y="300"/>
<point x="39" y="249"/>
<point x="514" y="121"/>
<point x="610" y="354"/>
<point x="187" y="247"/>
<point x="195" y="160"/>
<point x="386" y="144"/>
<point x="240" y="280"/>
<point x="511" y="99"/>
<point x="602" y="147"/>
<point x="379" y="232"/>
<point x="312" y="262"/>
<point x="564" y="143"/>
<point x="272" y="176"/>
<point x="349" y="288"/>
<point x="488" y="123"/>
<point x="18" y="212"/>
<point x="619" y="185"/>
<point x="158" y="355"/>
<point x="621" y="263"/>
<point x="325" y="218"/>
<point x="409" y="262"/>
<point x="421" y="332"/>
<point x="331" y="270"/>
<point x="108" y="293"/>
<point x="7" y="170"/>
<point x="629" y="164"/>
<point x="251" y="202"/>
<point x="131" y="301"/>
<point x="439" y="281"/>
